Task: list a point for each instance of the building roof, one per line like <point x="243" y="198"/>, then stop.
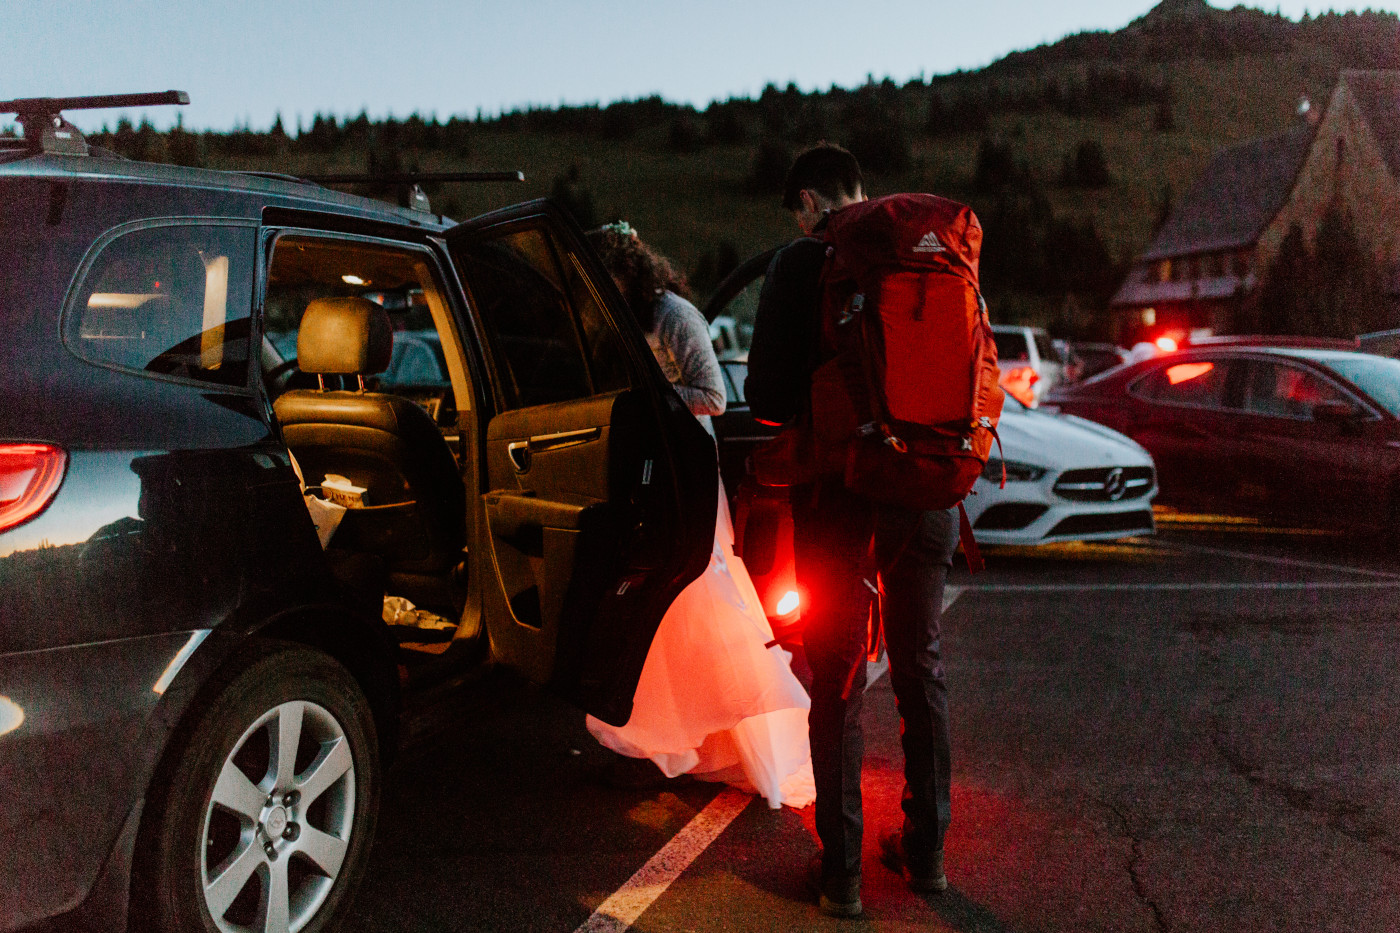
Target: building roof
<point x="1377" y="95"/>
<point x="1240" y="192"/>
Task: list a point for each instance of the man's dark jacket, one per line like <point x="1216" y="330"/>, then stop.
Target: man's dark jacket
<point x="786" y="345"/>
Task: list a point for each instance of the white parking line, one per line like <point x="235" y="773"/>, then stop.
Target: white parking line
<point x="621" y="910"/>
<point x="1280" y="561"/>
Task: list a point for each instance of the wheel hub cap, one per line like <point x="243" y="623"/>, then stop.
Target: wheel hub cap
<point x="275" y="823"/>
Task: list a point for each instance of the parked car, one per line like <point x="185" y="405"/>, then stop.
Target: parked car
<point x="1286" y="429"/>
<point x="196" y="698"/>
<point x="1030" y="365"/>
<point x="1067" y="479"/>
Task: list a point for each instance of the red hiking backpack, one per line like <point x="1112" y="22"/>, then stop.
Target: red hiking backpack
<point x="908" y="400"/>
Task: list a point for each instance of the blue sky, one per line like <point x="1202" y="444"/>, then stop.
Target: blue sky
<point x="246" y="61"/>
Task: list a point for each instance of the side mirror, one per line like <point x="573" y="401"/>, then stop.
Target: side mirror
<point x="1336" y="412"/>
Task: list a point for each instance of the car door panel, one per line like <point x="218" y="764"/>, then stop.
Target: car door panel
<point x="599" y="496"/>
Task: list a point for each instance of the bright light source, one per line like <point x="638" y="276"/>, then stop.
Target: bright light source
<point x="1166" y="344"/>
<point x="789" y="602"/>
<point x="1185" y="372"/>
<point x="354" y="280"/>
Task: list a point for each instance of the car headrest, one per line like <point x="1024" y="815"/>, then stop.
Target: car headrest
<point x="344" y="336"/>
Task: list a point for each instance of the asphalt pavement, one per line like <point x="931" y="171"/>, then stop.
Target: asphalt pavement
<point x="1198" y="731"/>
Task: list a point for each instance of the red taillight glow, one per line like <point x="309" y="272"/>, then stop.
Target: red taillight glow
<point x="30" y="474"/>
<point x="1166" y="344"/>
<point x="1185" y="372"/>
<point x="789" y="603"/>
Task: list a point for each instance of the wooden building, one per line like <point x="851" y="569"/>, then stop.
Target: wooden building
<point x="1205" y="264"/>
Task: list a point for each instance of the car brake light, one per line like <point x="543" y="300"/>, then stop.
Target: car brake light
<point x="1166" y="344"/>
<point x="788" y="603"/>
<point x="30" y="474"/>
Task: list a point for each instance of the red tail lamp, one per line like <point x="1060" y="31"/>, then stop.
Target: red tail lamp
<point x="1166" y="344"/>
<point x="30" y="474"/>
<point x="789" y="603"/>
<point x="1018" y="382"/>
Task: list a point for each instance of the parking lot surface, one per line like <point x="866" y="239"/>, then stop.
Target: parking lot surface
<point x="1198" y="731"/>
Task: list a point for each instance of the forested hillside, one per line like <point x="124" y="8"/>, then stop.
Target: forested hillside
<point x="1070" y="152"/>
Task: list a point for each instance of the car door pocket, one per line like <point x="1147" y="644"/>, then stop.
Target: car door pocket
<point x="519" y="518"/>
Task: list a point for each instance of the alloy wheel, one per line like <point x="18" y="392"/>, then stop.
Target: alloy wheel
<point x="277" y="827"/>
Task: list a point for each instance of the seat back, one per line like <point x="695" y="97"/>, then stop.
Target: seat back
<point x="415" y="514"/>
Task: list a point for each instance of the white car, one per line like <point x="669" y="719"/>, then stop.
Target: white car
<point x="1030" y="364"/>
<point x="1067" y="479"/>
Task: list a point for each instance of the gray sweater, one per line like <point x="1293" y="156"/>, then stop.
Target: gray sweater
<point x="680" y="340"/>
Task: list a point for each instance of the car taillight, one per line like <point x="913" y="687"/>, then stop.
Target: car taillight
<point x="788" y="603"/>
<point x="30" y="474"/>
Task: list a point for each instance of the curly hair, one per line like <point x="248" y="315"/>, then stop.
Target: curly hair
<point x="641" y="272"/>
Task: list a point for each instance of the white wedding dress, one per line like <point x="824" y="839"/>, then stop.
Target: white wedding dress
<point x="713" y="701"/>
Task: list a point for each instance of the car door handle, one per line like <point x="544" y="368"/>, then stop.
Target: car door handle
<point x="520" y="452"/>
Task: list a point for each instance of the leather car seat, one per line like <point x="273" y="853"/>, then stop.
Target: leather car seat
<point x="415" y="506"/>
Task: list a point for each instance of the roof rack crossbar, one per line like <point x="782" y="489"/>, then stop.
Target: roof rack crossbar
<point x="52" y="105"/>
<point x="45" y="129"/>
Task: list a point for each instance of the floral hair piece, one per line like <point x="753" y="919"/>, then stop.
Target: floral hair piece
<point x="621" y="228"/>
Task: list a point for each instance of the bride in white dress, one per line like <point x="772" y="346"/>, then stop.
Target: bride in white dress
<point x="715" y="700"/>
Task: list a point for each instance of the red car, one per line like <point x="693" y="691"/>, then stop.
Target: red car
<point x="1279" y="428"/>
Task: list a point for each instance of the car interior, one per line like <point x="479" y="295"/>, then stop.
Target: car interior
<point x="353" y="356"/>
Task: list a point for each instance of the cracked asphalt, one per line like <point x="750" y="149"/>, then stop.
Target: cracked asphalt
<point x="1195" y="732"/>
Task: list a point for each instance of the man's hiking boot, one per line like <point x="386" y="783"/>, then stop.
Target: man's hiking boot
<point x="837" y="897"/>
<point x="925" y="879"/>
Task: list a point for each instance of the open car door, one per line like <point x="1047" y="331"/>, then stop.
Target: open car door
<point x="598" y="485"/>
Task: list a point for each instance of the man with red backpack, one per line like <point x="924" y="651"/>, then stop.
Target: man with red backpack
<point x="842" y="356"/>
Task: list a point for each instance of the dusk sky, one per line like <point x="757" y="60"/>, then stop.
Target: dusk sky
<point x="245" y="61"/>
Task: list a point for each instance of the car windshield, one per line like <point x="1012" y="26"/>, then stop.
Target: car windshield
<point x="1377" y="376"/>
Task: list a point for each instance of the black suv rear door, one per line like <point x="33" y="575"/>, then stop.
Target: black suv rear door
<point x="599" y="486"/>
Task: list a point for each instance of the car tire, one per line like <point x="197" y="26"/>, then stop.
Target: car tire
<point x="234" y="841"/>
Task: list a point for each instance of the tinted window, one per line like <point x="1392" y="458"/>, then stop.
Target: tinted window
<point x="169" y="300"/>
<point x="553" y="341"/>
<point x="1197" y="382"/>
<point x="1285" y="391"/>
<point x="1011" y="345"/>
<point x="1045" y="348"/>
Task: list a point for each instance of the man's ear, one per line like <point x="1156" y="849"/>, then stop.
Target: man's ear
<point x="810" y="204"/>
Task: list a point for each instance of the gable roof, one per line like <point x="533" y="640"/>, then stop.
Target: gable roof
<point x="1377" y="95"/>
<point x="1240" y="192"/>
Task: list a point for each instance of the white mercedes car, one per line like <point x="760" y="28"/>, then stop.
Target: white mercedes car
<point x="1067" y="479"/>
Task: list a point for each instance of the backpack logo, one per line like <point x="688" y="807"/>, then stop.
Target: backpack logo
<point x="930" y="244"/>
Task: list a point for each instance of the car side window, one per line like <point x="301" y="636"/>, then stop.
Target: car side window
<point x="172" y="300"/>
<point x="553" y="342"/>
<point x="1283" y="391"/>
<point x="1200" y="383"/>
<point x="735" y="372"/>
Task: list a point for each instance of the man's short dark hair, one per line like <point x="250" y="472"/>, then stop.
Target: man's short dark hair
<point x="825" y="168"/>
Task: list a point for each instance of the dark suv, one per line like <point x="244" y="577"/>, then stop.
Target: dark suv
<point x="199" y="684"/>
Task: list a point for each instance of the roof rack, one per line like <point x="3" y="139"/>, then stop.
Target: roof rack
<point x="411" y="194"/>
<point x="45" y="129"/>
<point x="1275" y="340"/>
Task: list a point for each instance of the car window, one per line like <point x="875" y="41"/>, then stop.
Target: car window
<point x="1284" y="391"/>
<point x="553" y="342"/>
<point x="1377" y="376"/>
<point x="1011" y="346"/>
<point x="400" y="280"/>
<point x="1195" y="382"/>
<point x="735" y="372"/>
<point x="173" y="301"/>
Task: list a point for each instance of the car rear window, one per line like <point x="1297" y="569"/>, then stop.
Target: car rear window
<point x="1011" y="345"/>
<point x="171" y="301"/>
<point x="1187" y="382"/>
